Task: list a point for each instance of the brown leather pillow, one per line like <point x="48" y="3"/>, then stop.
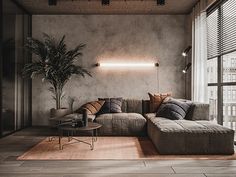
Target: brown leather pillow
<point x="156" y="100"/>
<point x="92" y="107"/>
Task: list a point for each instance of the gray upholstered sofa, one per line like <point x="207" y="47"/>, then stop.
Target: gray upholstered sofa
<point x="195" y="136"/>
<point x="130" y="122"/>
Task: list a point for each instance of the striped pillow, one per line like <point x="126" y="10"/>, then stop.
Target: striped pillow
<point x="92" y="107"/>
<point x="116" y="104"/>
<point x="111" y="105"/>
<point x="174" y="109"/>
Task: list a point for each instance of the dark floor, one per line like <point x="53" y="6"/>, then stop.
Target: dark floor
<point x="14" y="145"/>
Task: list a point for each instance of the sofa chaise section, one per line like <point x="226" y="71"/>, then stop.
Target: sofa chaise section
<point x="189" y="137"/>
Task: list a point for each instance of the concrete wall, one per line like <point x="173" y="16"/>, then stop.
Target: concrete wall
<point x="127" y="38"/>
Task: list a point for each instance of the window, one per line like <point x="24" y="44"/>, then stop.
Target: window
<point x="234" y="111"/>
<point x="229" y="111"/>
<point x="212" y="70"/>
<point x="221" y="58"/>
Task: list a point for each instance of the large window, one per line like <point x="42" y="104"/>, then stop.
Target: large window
<point x="221" y="63"/>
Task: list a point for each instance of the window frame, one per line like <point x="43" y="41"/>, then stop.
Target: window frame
<point x="220" y="83"/>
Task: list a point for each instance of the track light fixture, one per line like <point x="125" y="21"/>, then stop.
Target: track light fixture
<point x="186" y="68"/>
<point x="186" y="51"/>
<point x="52" y="2"/>
<point x="105" y="2"/>
<point x="161" y="2"/>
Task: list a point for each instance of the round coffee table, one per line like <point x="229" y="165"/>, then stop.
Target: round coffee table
<point x="93" y="127"/>
<point x="64" y="119"/>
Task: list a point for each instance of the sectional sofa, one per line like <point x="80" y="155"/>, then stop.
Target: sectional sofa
<point x="194" y="136"/>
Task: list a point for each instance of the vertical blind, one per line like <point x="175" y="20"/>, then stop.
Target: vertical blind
<point x="221" y="29"/>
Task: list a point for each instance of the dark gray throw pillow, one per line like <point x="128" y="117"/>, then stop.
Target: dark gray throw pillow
<point x="174" y="109"/>
<point x="111" y="105"/>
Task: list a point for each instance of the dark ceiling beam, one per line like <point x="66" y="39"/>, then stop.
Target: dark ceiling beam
<point x="161" y="2"/>
<point x="52" y="2"/>
<point x="105" y="2"/>
<point x="21" y="7"/>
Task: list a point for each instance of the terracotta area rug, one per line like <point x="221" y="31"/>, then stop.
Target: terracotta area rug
<point x="107" y="148"/>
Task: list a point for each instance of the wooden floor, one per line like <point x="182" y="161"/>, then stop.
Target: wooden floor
<point x="14" y="145"/>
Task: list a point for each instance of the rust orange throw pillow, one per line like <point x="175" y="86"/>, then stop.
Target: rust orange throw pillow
<point x="92" y="107"/>
<point x="156" y="100"/>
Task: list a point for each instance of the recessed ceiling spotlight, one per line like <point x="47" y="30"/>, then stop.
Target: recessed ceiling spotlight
<point x="161" y="2"/>
<point x="105" y="2"/>
<point x="52" y="2"/>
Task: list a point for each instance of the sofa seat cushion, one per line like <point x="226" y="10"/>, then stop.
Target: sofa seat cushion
<point x="189" y="137"/>
<point x="187" y="126"/>
<point x="121" y="124"/>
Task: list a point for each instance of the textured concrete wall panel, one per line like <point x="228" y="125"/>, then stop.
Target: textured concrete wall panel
<point x="115" y="38"/>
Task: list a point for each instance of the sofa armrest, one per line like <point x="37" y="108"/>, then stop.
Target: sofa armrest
<point x="200" y="111"/>
<point x="149" y="115"/>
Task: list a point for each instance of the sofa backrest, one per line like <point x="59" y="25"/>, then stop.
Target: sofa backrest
<point x="132" y="105"/>
<point x="200" y="111"/>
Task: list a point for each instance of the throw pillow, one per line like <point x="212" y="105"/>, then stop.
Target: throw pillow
<point x="92" y="107"/>
<point x="156" y="100"/>
<point x="174" y="109"/>
<point x="111" y="105"/>
<point x="115" y="105"/>
<point x="106" y="106"/>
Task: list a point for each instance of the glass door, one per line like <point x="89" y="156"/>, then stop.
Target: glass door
<point x="15" y="91"/>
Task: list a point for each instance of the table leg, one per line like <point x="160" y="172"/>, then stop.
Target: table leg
<point x="96" y="135"/>
<point x="68" y="134"/>
<point x="60" y="136"/>
<point x="92" y="145"/>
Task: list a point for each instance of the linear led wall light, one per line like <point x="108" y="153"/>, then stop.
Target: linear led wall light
<point x="131" y="65"/>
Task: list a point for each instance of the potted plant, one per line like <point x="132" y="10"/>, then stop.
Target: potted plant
<point x="56" y="64"/>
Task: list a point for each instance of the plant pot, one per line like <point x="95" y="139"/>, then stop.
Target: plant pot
<point x="59" y="112"/>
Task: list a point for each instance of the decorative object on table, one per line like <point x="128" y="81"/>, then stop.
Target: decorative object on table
<point x="85" y="117"/>
<point x="71" y="101"/>
<point x="111" y="105"/>
<point x="156" y="100"/>
<point x="77" y="123"/>
<point x="56" y="64"/>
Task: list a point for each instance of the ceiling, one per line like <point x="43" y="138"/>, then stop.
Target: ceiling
<point x="115" y="7"/>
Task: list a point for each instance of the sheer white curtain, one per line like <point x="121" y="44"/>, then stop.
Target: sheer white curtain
<point x="199" y="52"/>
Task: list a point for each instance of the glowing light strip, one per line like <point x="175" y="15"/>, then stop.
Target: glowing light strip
<point x="127" y="64"/>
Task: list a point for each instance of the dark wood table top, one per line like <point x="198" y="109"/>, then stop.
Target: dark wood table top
<point x="91" y="126"/>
